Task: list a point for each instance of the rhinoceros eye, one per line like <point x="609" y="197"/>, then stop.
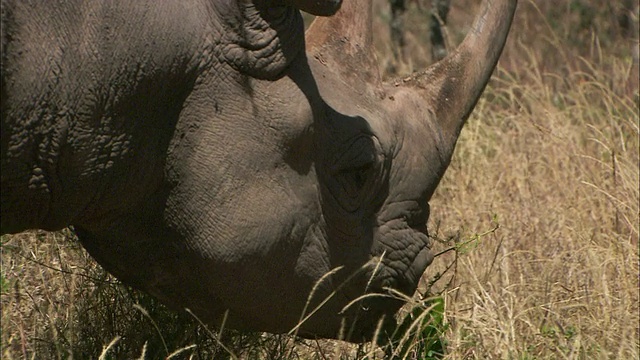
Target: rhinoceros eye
<point x="353" y="180"/>
<point x="355" y="171"/>
<point x="360" y="175"/>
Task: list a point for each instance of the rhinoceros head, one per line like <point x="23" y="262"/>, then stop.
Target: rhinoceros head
<point x="317" y="218"/>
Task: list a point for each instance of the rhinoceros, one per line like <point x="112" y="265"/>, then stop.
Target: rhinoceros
<point x="214" y="155"/>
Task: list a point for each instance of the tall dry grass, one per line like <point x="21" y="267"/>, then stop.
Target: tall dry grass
<point x="540" y="204"/>
<point x="558" y="168"/>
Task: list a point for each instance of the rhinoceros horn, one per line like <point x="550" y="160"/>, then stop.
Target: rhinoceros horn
<point x="450" y="87"/>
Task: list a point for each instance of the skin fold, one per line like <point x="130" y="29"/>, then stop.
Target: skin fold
<point x="212" y="155"/>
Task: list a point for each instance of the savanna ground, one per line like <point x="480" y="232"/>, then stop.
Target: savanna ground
<point x="536" y="221"/>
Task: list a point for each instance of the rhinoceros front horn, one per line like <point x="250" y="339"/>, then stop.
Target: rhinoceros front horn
<point x="450" y="87"/>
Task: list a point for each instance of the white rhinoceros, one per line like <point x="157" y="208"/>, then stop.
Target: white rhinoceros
<point x="213" y="155"/>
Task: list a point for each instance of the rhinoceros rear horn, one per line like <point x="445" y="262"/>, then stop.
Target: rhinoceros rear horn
<point x="344" y="43"/>
<point x="317" y="7"/>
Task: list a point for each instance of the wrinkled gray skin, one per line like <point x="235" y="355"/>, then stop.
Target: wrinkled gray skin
<point x="204" y="157"/>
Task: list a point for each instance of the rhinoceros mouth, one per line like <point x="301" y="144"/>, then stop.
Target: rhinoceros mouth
<point x="375" y="310"/>
<point x="418" y="267"/>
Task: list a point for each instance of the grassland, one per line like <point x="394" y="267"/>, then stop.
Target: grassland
<point x="539" y="208"/>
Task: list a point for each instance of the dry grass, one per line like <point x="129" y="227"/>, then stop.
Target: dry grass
<point x="550" y="155"/>
<point x="559" y="170"/>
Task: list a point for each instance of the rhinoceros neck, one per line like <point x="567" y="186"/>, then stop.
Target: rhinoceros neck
<point x="93" y="93"/>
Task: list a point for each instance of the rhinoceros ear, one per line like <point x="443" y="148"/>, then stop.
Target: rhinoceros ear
<point x="344" y="43"/>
